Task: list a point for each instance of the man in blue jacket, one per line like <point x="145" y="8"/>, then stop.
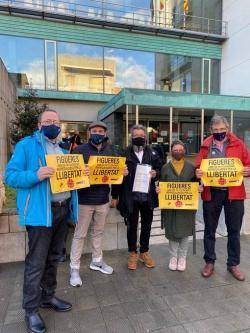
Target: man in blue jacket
<point x="45" y="216"/>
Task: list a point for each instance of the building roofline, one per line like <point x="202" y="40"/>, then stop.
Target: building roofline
<point x="144" y="97"/>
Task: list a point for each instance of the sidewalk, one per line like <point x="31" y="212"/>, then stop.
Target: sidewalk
<point x="145" y="300"/>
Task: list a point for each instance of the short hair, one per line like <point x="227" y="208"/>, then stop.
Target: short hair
<point x="46" y="110"/>
<point x="138" y="127"/>
<point x="216" y="119"/>
<point x="178" y="142"/>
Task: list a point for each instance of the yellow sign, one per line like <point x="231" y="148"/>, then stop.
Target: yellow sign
<point x="222" y="172"/>
<point x="69" y="172"/>
<point x="106" y="169"/>
<point x="179" y="195"/>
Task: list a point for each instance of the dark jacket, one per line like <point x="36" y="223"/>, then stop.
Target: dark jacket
<point x="96" y="194"/>
<point x="177" y="223"/>
<point x="126" y="198"/>
<point x="235" y="148"/>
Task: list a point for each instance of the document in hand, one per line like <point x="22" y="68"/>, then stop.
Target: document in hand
<point x="142" y="178"/>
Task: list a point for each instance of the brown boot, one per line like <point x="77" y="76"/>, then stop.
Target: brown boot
<point x="237" y="274"/>
<point x="132" y="260"/>
<point x="146" y="258"/>
<point x="207" y="270"/>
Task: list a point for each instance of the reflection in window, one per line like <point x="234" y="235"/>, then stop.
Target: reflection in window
<point x="80" y="67"/>
<point x="75" y="128"/>
<point x="126" y="68"/>
<point x="24" y="60"/>
<point x="50" y="56"/>
<point x="178" y="73"/>
<point x="241" y="126"/>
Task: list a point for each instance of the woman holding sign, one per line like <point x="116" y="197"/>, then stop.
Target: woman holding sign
<point x="179" y="224"/>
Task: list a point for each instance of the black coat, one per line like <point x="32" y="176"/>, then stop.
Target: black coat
<point x="125" y="205"/>
<point x="96" y="194"/>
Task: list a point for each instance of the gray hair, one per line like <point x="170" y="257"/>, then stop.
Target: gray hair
<point x="138" y="127"/>
<point x="178" y="142"/>
<point x="216" y="119"/>
<point x="46" y="110"/>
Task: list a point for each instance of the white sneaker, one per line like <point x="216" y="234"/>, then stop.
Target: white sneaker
<point x="75" y="279"/>
<point x="182" y="264"/>
<point x="173" y="264"/>
<point x="101" y="266"/>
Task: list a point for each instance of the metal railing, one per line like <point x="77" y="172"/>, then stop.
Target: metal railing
<point x="108" y="11"/>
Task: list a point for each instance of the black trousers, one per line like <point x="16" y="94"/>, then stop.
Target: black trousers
<point x="146" y="222"/>
<point x="45" y="248"/>
<point x="234" y="211"/>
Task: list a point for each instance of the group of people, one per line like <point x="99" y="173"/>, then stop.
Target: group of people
<point x="45" y="214"/>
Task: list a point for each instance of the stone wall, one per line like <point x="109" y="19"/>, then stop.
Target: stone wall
<point x="14" y="245"/>
<point x="7" y="103"/>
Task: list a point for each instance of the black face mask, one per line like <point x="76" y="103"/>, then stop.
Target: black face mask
<point x="139" y="141"/>
<point x="51" y="131"/>
<point x="178" y="156"/>
<point x="97" y="139"/>
<point x="219" y="136"/>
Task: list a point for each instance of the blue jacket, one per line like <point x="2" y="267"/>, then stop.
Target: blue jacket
<point x="33" y="195"/>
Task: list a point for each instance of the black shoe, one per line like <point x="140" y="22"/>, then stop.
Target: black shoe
<point x="35" y="323"/>
<point x="57" y="304"/>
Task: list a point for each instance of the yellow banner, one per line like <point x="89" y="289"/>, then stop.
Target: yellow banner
<point x="106" y="169"/>
<point x="69" y="172"/>
<point x="179" y="195"/>
<point x="222" y="172"/>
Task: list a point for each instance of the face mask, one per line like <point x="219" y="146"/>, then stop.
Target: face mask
<point x="97" y="139"/>
<point x="219" y="136"/>
<point x="139" y="141"/>
<point x="178" y="156"/>
<point x="51" y="132"/>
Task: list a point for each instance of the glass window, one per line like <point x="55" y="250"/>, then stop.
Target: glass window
<point x="178" y="73"/>
<point x="70" y="129"/>
<point x="50" y="61"/>
<point x="206" y="76"/>
<point x="241" y="126"/>
<point x="128" y="69"/>
<point x="215" y="77"/>
<point x="80" y="67"/>
<point x="24" y="60"/>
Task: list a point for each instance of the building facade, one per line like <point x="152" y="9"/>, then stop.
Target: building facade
<point x="168" y="64"/>
<point x="79" y="55"/>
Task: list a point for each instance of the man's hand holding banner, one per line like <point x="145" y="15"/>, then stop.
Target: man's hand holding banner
<point x="222" y="172"/>
<point x="69" y="172"/>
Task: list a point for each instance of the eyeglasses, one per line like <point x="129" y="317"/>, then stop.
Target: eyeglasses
<point x="50" y="122"/>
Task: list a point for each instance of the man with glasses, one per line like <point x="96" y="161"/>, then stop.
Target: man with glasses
<point x="45" y="216"/>
<point x="222" y="143"/>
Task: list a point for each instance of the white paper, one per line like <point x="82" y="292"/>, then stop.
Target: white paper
<point x="142" y="178"/>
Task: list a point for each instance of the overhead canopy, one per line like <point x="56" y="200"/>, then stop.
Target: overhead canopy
<point x="144" y="97"/>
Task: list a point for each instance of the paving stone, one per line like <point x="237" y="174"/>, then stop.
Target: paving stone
<point x="173" y="329"/>
<point x="135" y="307"/>
<point x="120" y="325"/>
<point x="143" y="301"/>
<point x="153" y="320"/>
<point x="91" y="319"/>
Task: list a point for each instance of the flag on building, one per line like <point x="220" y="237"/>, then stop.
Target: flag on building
<point x="162" y="4"/>
<point x="185" y="6"/>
